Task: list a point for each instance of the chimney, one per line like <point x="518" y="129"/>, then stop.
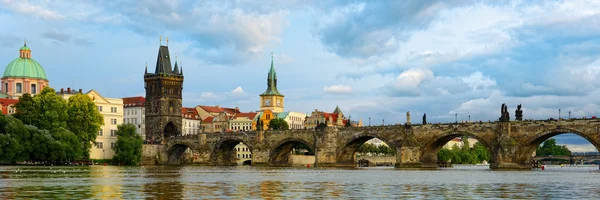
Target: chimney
<point x="218" y="106"/>
<point x="80" y="90"/>
<point x="62" y="90"/>
<point x="68" y="90"/>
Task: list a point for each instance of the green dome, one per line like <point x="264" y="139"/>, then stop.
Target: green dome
<point x="24" y="67"/>
<point x="25" y="48"/>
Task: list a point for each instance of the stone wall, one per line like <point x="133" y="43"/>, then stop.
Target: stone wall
<point x="153" y="154"/>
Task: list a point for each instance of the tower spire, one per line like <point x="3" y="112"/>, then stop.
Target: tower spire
<point x="146" y="71"/>
<point x="176" y="69"/>
<point x="272" y="80"/>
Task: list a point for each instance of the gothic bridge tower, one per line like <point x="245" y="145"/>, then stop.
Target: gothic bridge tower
<point x="163" y="98"/>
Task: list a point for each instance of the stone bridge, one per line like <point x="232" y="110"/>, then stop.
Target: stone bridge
<point x="510" y="143"/>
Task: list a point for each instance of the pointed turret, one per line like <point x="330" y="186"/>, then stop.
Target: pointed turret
<point x="163" y="62"/>
<point x="181" y="69"/>
<point x="146" y="71"/>
<point x="338" y="111"/>
<point x="272" y="81"/>
<point x="176" y="69"/>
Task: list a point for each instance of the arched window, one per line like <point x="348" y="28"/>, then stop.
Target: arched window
<point x="33" y="89"/>
<point x="19" y="88"/>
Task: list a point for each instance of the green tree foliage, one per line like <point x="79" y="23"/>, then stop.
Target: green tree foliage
<point x="278" y="124"/>
<point x="47" y="128"/>
<point x="551" y="148"/>
<point x="378" y="150"/>
<point x="464" y="155"/>
<point x="48" y="111"/>
<point x="84" y="120"/>
<point x="20" y="142"/>
<point x="128" y="150"/>
<point x="26" y="108"/>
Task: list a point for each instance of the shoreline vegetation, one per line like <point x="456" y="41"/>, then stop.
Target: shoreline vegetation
<point x="49" y="130"/>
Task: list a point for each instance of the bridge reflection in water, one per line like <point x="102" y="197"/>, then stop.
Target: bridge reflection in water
<point x="510" y="144"/>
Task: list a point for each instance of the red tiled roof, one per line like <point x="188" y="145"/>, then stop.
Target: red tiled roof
<point x="189" y="113"/>
<point x="5" y="102"/>
<point x="334" y="116"/>
<point x="208" y="119"/>
<point x="249" y="115"/>
<point x="216" y="109"/>
<point x="134" y="101"/>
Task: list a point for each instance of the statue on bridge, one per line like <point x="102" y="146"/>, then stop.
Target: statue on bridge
<point x="408" y="118"/>
<point x="504" y="115"/>
<point x="424" y="118"/>
<point x="519" y="113"/>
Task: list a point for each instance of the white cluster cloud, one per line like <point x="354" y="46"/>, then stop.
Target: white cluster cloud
<point x="338" y="89"/>
<point x="238" y="91"/>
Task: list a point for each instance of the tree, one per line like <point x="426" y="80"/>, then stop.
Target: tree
<point x="444" y="155"/>
<point x="128" y="150"/>
<point x="26" y="108"/>
<point x="47" y="111"/>
<point x="481" y="153"/>
<point x="551" y="148"/>
<point x="278" y="124"/>
<point x="84" y="120"/>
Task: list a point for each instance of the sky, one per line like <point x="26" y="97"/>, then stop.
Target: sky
<point x="374" y="59"/>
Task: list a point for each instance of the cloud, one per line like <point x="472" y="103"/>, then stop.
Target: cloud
<point x="337" y="89"/>
<point x="31" y="9"/>
<point x="56" y="36"/>
<point x="222" y="32"/>
<point x="408" y="82"/>
<point x="366" y="28"/>
<point x="238" y="91"/>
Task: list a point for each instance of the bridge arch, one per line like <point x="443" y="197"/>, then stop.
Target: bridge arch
<point x="179" y="153"/>
<point x="432" y="148"/>
<point x="170" y="130"/>
<point x="531" y="145"/>
<point x="345" y="156"/>
<point x="224" y="154"/>
<point x="280" y="154"/>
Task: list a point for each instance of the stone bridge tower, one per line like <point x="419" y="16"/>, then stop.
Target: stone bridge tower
<point x="163" y="98"/>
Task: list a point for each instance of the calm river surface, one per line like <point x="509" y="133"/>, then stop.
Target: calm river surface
<point x="245" y="182"/>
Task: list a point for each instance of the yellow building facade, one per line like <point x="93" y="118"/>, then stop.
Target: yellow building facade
<point x="112" y="111"/>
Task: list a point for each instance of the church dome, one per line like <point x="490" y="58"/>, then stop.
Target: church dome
<point x="24" y="66"/>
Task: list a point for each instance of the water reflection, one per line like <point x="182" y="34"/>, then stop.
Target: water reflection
<point x="193" y="182"/>
<point x="162" y="182"/>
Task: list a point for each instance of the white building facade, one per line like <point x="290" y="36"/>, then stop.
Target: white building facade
<point x="295" y="120"/>
<point x="190" y="121"/>
<point x="134" y="113"/>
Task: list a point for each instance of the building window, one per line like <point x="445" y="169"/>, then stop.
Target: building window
<point x="100" y="132"/>
<point x="100" y="108"/>
<point x="113" y="121"/>
<point x="19" y="88"/>
<point x="112" y="145"/>
<point x="33" y="89"/>
<point x="5" y="87"/>
<point x="113" y="109"/>
<point x="113" y="133"/>
<point x="99" y="145"/>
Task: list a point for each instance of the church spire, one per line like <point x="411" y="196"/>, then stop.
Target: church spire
<point x="146" y="71"/>
<point x="176" y="69"/>
<point x="272" y="81"/>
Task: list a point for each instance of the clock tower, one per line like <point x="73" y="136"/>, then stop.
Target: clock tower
<point x="271" y="99"/>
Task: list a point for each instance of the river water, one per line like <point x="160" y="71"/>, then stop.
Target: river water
<point x="246" y="182"/>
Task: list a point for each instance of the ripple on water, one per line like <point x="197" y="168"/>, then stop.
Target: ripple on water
<point x="174" y="182"/>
